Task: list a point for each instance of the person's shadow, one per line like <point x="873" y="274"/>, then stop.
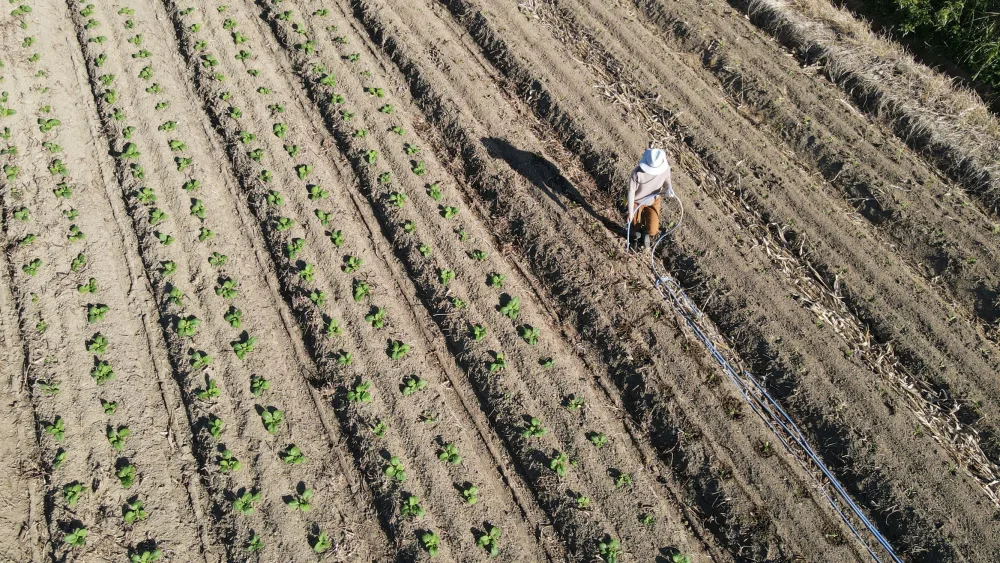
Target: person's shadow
<point x="546" y="177"/>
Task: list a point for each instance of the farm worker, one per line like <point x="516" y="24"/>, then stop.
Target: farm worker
<point x="650" y="180"/>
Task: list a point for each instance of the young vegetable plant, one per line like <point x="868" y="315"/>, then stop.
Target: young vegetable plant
<point x="244" y="504"/>
<point x="559" y="463"/>
<point x="411" y="507"/>
<point x="226" y="288"/>
<point x="255" y="545"/>
<point x="71" y="493"/>
<point x="228" y="462"/>
<point x="490" y="541"/>
<point x="379" y="428"/>
<point x="117" y="437"/>
<point x="496" y="280"/>
<point x="272" y="418"/>
<point x="499" y="363"/>
<point x="398" y="349"/>
<point x="395" y="470"/>
<point x="102" y="372"/>
<point x="449" y="454"/>
<point x="448" y="211"/>
<point x="529" y="334"/>
<point x="446" y="276"/>
<point x="96" y="313"/>
<point x="234" y="317"/>
<point x="322" y="544"/>
<point x="509" y="307"/>
<point x="134" y="512"/>
<point x="412" y="384"/>
<point x="598" y="439"/>
<point x="109" y="407"/>
<point x="126" y="475"/>
<point x="215" y="426"/>
<point x="534" y="429"/>
<point x="89" y="287"/>
<point x="609" y="550"/>
<point x="211" y="391"/>
<point x="186" y="327"/>
<point x="292" y="455"/>
<point x="431" y="543"/>
<point x="359" y="393"/>
<point x="200" y="360"/>
<point x="376" y="318"/>
<point x="301" y="501"/>
<point x="76" y="538"/>
<point x="361" y="290"/>
<point x="470" y="493"/>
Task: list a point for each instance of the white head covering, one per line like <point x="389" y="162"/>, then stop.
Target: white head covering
<point x="654" y="161"/>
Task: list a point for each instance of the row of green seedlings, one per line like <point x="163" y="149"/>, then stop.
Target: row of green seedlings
<point x="271" y="417"/>
<point x="395" y="469"/>
<point x="145" y="197"/>
<point x="133" y="511"/>
<point x="509" y="306"/>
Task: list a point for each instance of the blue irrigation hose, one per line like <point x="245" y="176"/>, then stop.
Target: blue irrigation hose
<point x="762" y="403"/>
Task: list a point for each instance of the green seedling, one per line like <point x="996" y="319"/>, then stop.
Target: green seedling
<point x="559" y="463"/>
<point x="272" y="418"/>
<point x="244" y="504"/>
<point x="337" y="238"/>
<point x="425" y="250"/>
<point x="534" y="429"/>
<point x="154" y="88"/>
<point x="398" y="199"/>
<point x="324" y="217"/>
<point x="226" y="288"/>
<point x="470" y="493"/>
<point x="353" y="57"/>
<point x="22" y="214"/>
<point x="59" y="459"/>
<point x="134" y="512"/>
<point x="275" y="198"/>
<point x="412" y="384"/>
<point x="370" y="156"/>
<point x="303" y="170"/>
<point x="117" y="437"/>
<point x="377" y="92"/>
<point x="97" y="345"/>
<point x="479" y="255"/>
<point x="168" y="126"/>
<point x="89" y="287"/>
<point x="258" y="385"/>
<point x="146" y="73"/>
<point x="218" y="260"/>
<point x="490" y="541"/>
<point x="200" y="360"/>
<point x="360" y="133"/>
<point x="280" y="130"/>
<point x="102" y="372"/>
<point x="265" y="176"/>
<point x="11" y="172"/>
<point x="574" y="403"/>
<point x="244" y="346"/>
<point x="292" y="150"/>
<point x="328" y="80"/>
<point x="448" y="212"/>
<point x="205" y="234"/>
<point x="75" y="234"/>
<point x="420" y="169"/>
<point x="191" y="185"/>
<point x="333" y="328"/>
<point x="434" y="191"/>
<point x="499" y="363"/>
<point x="351" y="264"/>
<point x="50" y="388"/>
<point x="387" y="109"/>
<point x="395" y="470"/>
<point x="623" y="480"/>
<point x="410" y="508"/>
<point x="318" y="297"/>
<point x="126" y="475"/>
<point x="599" y="439"/>
<point x="529" y="334"/>
<point x="361" y="290"/>
<point x="142" y="54"/>
<point x="183" y="163"/>
<point x="411" y="149"/>
<point x="160" y="106"/>
<point x="146" y="556"/>
<point x="449" y="454"/>
<point x="255" y="545"/>
<point x="27" y="240"/>
<point x="228" y="462"/>
<point x="431" y="543"/>
<point x="164" y="238"/>
<point x="385" y="178"/>
<point x="301" y="501"/>
<point x="679" y="558"/>
<point x="379" y="428"/>
<point x="211" y="391"/>
<point x="398" y="130"/>
<point x="285" y="223"/>
<point x="96" y="313"/>
<point x="215" y="426"/>
<point x="294" y="247"/>
<point x="176" y="297"/>
<point x="176" y="145"/>
<point x="256" y="155"/>
<point x="109" y="407"/>
<point x="71" y="214"/>
<point x="292" y="455"/>
<point x="609" y="550"/>
<point x="376" y="318"/>
<point x="58" y="168"/>
<point x="234" y="317"/>
<point x="322" y="544"/>
<point x="647" y="519"/>
<point x="582" y="502"/>
<point x="346" y="115"/>
<point x="31" y="268"/>
<point x="446" y="276"/>
<point x="359" y="393"/>
<point x="242" y="55"/>
<point x="510" y="307"/>
<point x="76" y="538"/>
<point x="246" y="137"/>
<point x="317" y="192"/>
<point x="72" y="492"/>
<point x="308" y="273"/>
<point x="397" y="349"/>
<point x="157" y="216"/>
<point x="186" y="327"/>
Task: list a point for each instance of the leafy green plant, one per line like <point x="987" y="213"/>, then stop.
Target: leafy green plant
<point x="534" y="429"/>
<point x="598" y="439"/>
<point x="71" y="493"/>
<point x="446" y="276"/>
<point x="376" y="318"/>
<point x="379" y="428"/>
<point x="574" y="403"/>
<point x="395" y="470"/>
<point x="31" y="268"/>
<point x="529" y="334"/>
<point x="410" y="508"/>
<point x="559" y="463"/>
<point x="272" y="418"/>
<point x="211" y="391"/>
<point x="102" y="372"/>
<point x="96" y="313"/>
<point x="318" y="297"/>
<point x="226" y="288"/>
<point x="255" y="545"/>
<point x="217" y="260"/>
<point x="280" y="130"/>
<point x="499" y="363"/>
<point x="183" y="163"/>
<point x="165" y="239"/>
<point x="398" y="199"/>
<point x="479" y="255"/>
<point x="134" y="512"/>
<point x="490" y="540"/>
<point x="244" y="346"/>
<point x="470" y="493"/>
<point x="98" y="344"/>
<point x="301" y="501"/>
<point x="275" y="198"/>
<point x="76" y="538"/>
<point x="176" y="297"/>
<point x="322" y="543"/>
<point x="109" y="407"/>
<point x="361" y="290"/>
<point x="324" y="217"/>
<point x="623" y="480"/>
<point x="387" y="109"/>
<point x="317" y="192"/>
<point x="333" y="328"/>
<point x="157" y="216"/>
<point x="359" y="393"/>
<point x="126" y="475"/>
<point x="647" y="519"/>
<point x="609" y="550"/>
<point x="292" y="455"/>
<point x="449" y="454"/>
<point x="510" y="308"/>
<point x="117" y="437"/>
<point x="285" y="223"/>
<point x="187" y="326"/>
<point x="205" y="233"/>
<point x="448" y="212"/>
<point x="420" y="168"/>
<point x="228" y="462"/>
<point x="412" y="384"/>
<point x="215" y="426"/>
<point x="425" y="250"/>
<point x="234" y="317"/>
<point x="75" y="234"/>
<point x="200" y="359"/>
<point x="385" y="178"/>
<point x="146" y="556"/>
<point x="370" y="156"/>
<point x="46" y="125"/>
<point x="22" y="214"/>
<point x="303" y="170"/>
<point x="398" y="349"/>
<point x="244" y="504"/>
<point x="431" y="543"/>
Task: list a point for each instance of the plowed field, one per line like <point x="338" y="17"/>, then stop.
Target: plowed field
<point x="296" y="280"/>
